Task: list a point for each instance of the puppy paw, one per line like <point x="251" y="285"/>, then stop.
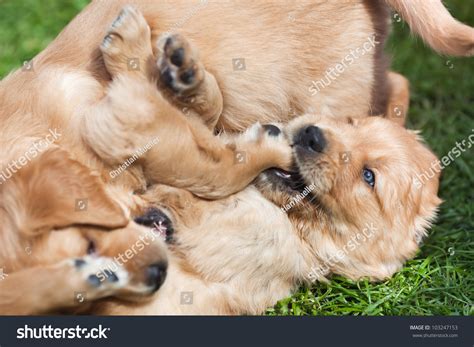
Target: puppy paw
<point x="178" y="62"/>
<point x="159" y="221"/>
<point x="259" y="133"/>
<point x="270" y="142"/>
<point x="127" y="44"/>
<point x="94" y="277"/>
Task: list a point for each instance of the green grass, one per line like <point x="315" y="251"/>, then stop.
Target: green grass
<point x="439" y="281"/>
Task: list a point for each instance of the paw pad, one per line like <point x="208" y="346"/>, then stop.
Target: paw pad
<point x="177" y="58"/>
<point x="178" y="64"/>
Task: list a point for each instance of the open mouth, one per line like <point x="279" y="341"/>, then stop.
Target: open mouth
<point x="289" y="179"/>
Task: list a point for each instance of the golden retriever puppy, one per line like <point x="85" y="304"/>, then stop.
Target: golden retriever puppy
<point x="350" y="206"/>
<point x="69" y="88"/>
<point x="67" y="240"/>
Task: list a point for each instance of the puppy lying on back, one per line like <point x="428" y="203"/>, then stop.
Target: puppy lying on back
<point x="65" y="64"/>
<point x="351" y="205"/>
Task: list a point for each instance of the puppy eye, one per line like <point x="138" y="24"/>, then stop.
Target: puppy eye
<point x="369" y="177"/>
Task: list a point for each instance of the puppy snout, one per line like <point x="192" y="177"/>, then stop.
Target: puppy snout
<point x="311" y="138"/>
<point x="156" y="275"/>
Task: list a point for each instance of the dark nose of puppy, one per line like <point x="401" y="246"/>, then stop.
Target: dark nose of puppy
<point x="311" y="138"/>
<point x="156" y="275"/>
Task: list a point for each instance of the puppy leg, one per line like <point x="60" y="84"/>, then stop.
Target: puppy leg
<point x="185" y="81"/>
<point x="123" y="122"/>
<point x="399" y="100"/>
<point x="180" y="76"/>
<point x="135" y="121"/>
<point x="126" y="47"/>
<point x="68" y="284"/>
<point x="175" y="150"/>
<point x="209" y="168"/>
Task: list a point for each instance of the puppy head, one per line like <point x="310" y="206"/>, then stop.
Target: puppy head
<point x="362" y="193"/>
<point x="53" y="209"/>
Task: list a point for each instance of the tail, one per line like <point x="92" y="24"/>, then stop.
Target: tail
<point x="432" y="21"/>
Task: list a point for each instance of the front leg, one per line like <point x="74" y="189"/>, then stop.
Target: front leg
<point x="74" y="283"/>
<point x="209" y="167"/>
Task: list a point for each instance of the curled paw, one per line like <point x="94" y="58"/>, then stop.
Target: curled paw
<point x="127" y="43"/>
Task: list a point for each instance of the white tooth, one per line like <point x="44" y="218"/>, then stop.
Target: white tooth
<point x="283" y="174"/>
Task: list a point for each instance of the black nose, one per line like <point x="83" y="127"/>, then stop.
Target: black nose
<point x="311" y="138"/>
<point x="156" y="275"/>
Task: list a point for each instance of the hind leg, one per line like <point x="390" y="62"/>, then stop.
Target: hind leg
<point x="135" y="121"/>
<point x="185" y="81"/>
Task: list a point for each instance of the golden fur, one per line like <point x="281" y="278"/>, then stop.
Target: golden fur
<point x="108" y="130"/>
<point x="241" y="254"/>
<point x="44" y="234"/>
<point x="69" y="89"/>
<point x="432" y="21"/>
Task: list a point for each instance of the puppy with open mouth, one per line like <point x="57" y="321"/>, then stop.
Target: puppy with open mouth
<point x="242" y="253"/>
<point x="361" y="174"/>
<point x="362" y="215"/>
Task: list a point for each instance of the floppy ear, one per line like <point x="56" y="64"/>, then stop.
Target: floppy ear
<point x="54" y="191"/>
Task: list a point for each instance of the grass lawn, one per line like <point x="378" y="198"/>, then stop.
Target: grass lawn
<point x="440" y="280"/>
